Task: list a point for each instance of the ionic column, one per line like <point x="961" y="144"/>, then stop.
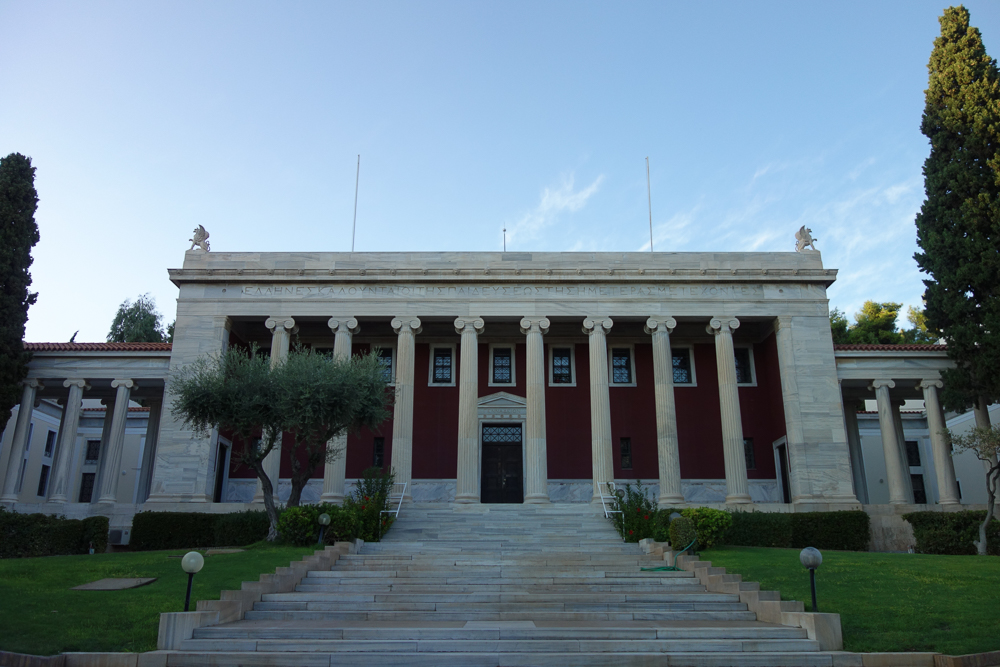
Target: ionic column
<point x="401" y="454"/>
<point x="536" y="483"/>
<point x="737" y="487"/>
<point x="102" y="449"/>
<point x="116" y="441"/>
<point x="281" y="329"/>
<point x="854" y="447"/>
<point x="667" y="454"/>
<point x="601" y="453"/>
<point x="67" y="441"/>
<point x="895" y="472"/>
<point x="467" y="482"/>
<point x="19" y="440"/>
<point x="149" y="451"/>
<point x="334" y="471"/>
<point x="940" y="447"/>
<point x="897" y="420"/>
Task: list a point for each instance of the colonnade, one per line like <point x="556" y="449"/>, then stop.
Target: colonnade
<point x="534" y="329"/>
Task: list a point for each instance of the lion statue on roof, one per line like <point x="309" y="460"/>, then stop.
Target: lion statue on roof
<point x="199" y="239"/>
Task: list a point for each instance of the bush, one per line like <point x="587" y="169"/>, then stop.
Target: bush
<point x="638" y="514"/>
<point x="953" y="533"/>
<point x="682" y="533"/>
<point x="369" y="499"/>
<point x="298" y="525"/>
<point x="710" y="524"/>
<point x="153" y="531"/>
<point x="30" y="535"/>
<point x="760" y="529"/>
<point x="343" y="523"/>
<point x="238" y="529"/>
<point x="847" y="530"/>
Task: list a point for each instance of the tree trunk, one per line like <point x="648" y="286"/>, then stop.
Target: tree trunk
<point x="991" y="499"/>
<point x="268" y="492"/>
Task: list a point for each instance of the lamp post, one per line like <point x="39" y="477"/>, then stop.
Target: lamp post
<point x="191" y="563"/>
<point x="811" y="559"/>
<point x="324" y="521"/>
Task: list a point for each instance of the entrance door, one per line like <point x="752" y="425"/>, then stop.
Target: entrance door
<point x="502" y="464"/>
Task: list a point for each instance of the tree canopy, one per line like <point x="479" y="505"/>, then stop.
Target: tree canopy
<point x="18" y="235"/>
<point x="875" y="324"/>
<point x="958" y="226"/>
<point x="138" y="322"/>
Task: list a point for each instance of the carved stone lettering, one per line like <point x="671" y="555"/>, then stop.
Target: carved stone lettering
<point x="501" y="292"/>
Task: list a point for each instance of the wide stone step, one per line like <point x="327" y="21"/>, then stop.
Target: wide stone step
<point x="371" y="586"/>
<point x="518" y="581"/>
<point x="519" y="597"/>
<point x="466" y="615"/>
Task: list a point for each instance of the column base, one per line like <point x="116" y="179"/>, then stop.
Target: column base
<point x="537" y="499"/>
<point x="466" y="499"/>
<point x="738" y="499"/>
<point x="334" y="498"/>
<point x="671" y="501"/>
<point x="940" y="502"/>
<point x="8" y="500"/>
<point x="179" y="498"/>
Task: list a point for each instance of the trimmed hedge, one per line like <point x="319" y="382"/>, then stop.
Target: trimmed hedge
<point x="953" y="533"/>
<point x="238" y="529"/>
<point x="154" y="531"/>
<point x="846" y="531"/>
<point x="31" y="535"/>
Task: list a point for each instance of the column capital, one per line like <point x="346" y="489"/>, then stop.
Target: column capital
<point x="82" y="384"/>
<point x="343" y="325"/>
<point x="660" y="323"/>
<point x="594" y="325"/>
<point x="782" y="322"/>
<point x="877" y="384"/>
<point x="719" y="325"/>
<point x="927" y="384"/>
<point x="463" y="324"/>
<point x="122" y="382"/>
<point x="287" y="323"/>
<point x="535" y="324"/>
<point x="406" y="324"/>
<point x="34" y="383"/>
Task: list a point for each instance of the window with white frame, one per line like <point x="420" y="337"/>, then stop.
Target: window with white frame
<point x="683" y="366"/>
<point x="50" y="443"/>
<point x="561" y="366"/>
<point x="502" y="365"/>
<point x="622" y="365"/>
<point x="744" y="365"/>
<point x="442" y="366"/>
<point x="93" y="452"/>
<point x="387" y="356"/>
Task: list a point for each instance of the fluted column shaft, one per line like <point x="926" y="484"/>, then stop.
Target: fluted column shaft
<point x="401" y="454"/>
<point x="894" y="463"/>
<point x="536" y="486"/>
<point x="116" y="441"/>
<point x="667" y="453"/>
<point x="897" y="420"/>
<point x="737" y="487"/>
<point x="940" y="448"/>
<point x="854" y="447"/>
<point x="601" y="452"/>
<point x="467" y="482"/>
<point x="19" y="440"/>
<point x="67" y="441"/>
<point x="281" y="330"/>
<point x="335" y="470"/>
<point x="149" y="450"/>
<point x="102" y="448"/>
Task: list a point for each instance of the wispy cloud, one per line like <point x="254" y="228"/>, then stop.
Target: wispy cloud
<point x="553" y="201"/>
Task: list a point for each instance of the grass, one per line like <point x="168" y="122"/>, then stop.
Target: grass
<point x="887" y="602"/>
<point x="41" y="616"/>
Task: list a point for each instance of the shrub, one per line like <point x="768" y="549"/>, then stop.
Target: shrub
<point x="682" y="533"/>
<point x="847" y="530"/>
<point x="952" y="533"/>
<point x="30" y="535"/>
<point x="153" y="531"/>
<point x="298" y="525"/>
<point x="369" y="499"/>
<point x="760" y="529"/>
<point x="343" y="523"/>
<point x="238" y="529"/>
<point x="638" y="514"/>
<point x="710" y="524"/>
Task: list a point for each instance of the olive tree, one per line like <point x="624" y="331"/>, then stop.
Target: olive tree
<point x="984" y="442"/>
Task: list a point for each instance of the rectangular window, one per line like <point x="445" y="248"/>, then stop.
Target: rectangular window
<point x="562" y="365"/>
<point x="919" y="493"/>
<point x="744" y="365"/>
<point x="621" y="365"/>
<point x="43" y="481"/>
<point x="749" y="454"/>
<point x="93" y="452"/>
<point x="502" y="365"/>
<point x="958" y="483"/>
<point x="87" y="487"/>
<point x="682" y="366"/>
<point x="625" y="449"/>
<point x="385" y="356"/>
<point x="378" y="453"/>
<point x="50" y="443"/>
<point x="441" y="369"/>
<point x="913" y="453"/>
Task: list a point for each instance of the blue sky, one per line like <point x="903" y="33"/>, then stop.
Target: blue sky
<point x="147" y="119"/>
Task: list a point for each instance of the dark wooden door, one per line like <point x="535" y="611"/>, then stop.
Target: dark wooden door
<point x="502" y="480"/>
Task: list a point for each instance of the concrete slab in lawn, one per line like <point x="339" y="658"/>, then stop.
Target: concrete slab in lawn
<point x="115" y="584"/>
<point x="219" y="552"/>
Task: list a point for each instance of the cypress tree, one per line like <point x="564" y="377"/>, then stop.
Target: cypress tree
<point x="18" y="235"/>
<point x="958" y="226"/>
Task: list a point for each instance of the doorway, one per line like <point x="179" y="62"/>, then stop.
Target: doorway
<point x="503" y="464"/>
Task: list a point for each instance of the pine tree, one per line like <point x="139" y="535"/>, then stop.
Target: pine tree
<point x="137" y="322"/>
<point x="958" y="227"/>
<point x="18" y="235"/>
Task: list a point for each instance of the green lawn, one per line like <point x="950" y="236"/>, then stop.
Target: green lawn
<point x="40" y="615"/>
<point x="887" y="602"/>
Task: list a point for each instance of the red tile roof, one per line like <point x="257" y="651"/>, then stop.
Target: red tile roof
<point x="905" y="347"/>
<point x="130" y="409"/>
<point x="97" y="347"/>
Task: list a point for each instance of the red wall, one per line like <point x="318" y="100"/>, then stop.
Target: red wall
<point x="435" y="421"/>
<point x="633" y="415"/>
<point x="567" y="422"/>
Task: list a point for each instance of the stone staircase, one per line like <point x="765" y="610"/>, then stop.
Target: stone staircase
<point x="500" y="585"/>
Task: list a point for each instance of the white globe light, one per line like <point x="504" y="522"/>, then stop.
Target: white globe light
<point x="811" y="558"/>
<point x="324" y="519"/>
<point x="192" y="562"/>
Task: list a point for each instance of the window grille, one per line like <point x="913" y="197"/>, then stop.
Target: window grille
<point x="502" y="433"/>
<point x="919" y="492"/>
<point x="378" y="453"/>
<point x="385" y="356"/>
<point x="442" y="365"/>
<point x="50" y="443"/>
<point x="501" y="365"/>
<point x="748" y="453"/>
<point x="744" y="368"/>
<point x="562" y="372"/>
<point x="682" y="367"/>
<point x="625" y="450"/>
<point x="87" y="487"/>
<point x="43" y="481"/>
<point x="93" y="451"/>
<point x="621" y="365"/>
<point x="913" y="453"/>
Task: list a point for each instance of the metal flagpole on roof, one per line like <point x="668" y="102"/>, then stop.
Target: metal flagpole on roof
<point x="354" y="226"/>
<point x="649" y="199"/>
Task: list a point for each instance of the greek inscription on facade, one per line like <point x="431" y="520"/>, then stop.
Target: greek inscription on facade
<point x="502" y="292"/>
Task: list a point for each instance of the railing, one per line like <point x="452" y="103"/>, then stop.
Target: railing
<point x="396" y="495"/>
<point x="609" y="493"/>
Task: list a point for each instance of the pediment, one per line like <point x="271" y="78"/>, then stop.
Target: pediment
<point x="502" y="400"/>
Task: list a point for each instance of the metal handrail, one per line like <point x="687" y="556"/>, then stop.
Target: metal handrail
<point x="607" y="497"/>
<point x="397" y="499"/>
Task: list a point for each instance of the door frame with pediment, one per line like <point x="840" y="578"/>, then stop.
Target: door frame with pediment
<point x="502" y="408"/>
